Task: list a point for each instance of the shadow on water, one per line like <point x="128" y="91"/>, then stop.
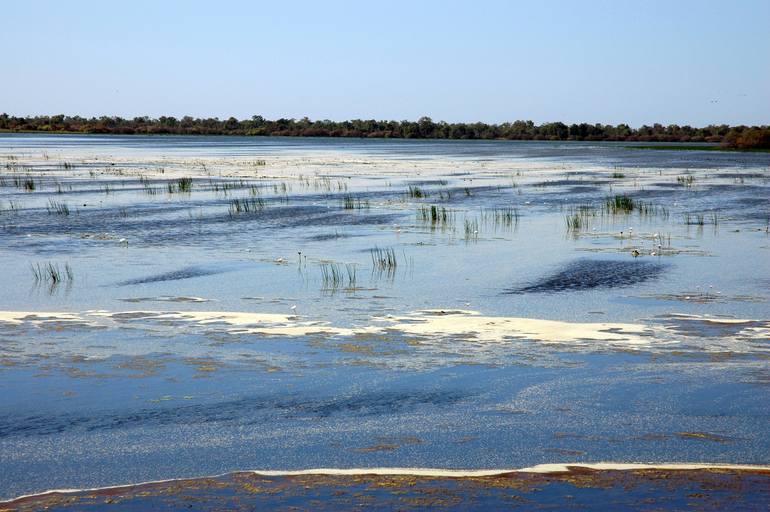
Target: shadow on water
<point x="587" y="274"/>
<point x="248" y="411"/>
<point x="175" y="275"/>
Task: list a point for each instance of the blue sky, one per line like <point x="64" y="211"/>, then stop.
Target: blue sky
<point x="682" y="62"/>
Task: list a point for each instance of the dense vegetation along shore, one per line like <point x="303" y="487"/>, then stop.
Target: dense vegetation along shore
<point x="738" y="137"/>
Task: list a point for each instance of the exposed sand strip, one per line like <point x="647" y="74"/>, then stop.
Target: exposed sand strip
<point x="436" y="324"/>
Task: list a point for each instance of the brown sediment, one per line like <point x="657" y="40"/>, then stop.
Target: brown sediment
<point x="706" y="436"/>
<point x="703" y="486"/>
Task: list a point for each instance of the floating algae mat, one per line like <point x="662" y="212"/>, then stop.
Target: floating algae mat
<point x="186" y="310"/>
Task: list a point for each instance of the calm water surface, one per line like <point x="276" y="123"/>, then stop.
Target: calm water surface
<point x="104" y="380"/>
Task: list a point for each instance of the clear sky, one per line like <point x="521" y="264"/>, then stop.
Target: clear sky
<point x="674" y="61"/>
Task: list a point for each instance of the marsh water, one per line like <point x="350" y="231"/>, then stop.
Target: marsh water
<point x="175" y="307"/>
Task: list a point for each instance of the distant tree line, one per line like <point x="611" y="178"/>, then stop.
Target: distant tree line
<point x="742" y="137"/>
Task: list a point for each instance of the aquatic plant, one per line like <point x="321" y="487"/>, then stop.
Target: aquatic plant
<point x="619" y="204"/>
<point x="686" y="181"/>
<point x="351" y="203"/>
<point x="28" y="184"/>
<point x="624" y="205"/>
<point x="505" y="217"/>
<point x="184" y="184"/>
<point x="246" y="205"/>
<point x="383" y="259"/>
<point x="13" y="207"/>
<point x="51" y="273"/>
<point x="618" y="175"/>
<point x="57" y="207"/>
<point x="471" y="230"/>
<point x="335" y="275"/>
<point x="574" y="222"/>
<point x="700" y="219"/>
<point x="437" y="216"/>
<point x="416" y="192"/>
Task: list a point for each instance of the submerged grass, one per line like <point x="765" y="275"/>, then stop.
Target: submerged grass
<point x="350" y="202"/>
<point x="501" y="217"/>
<point x="471" y="230"/>
<point x="437" y="216"/>
<point x="51" y="273"/>
<point x="622" y="204"/>
<point x="246" y="205"/>
<point x="57" y="208"/>
<point x="384" y="259"/>
<point x="335" y="275"/>
<point x="700" y="219"/>
<point x="182" y="185"/>
<point x="416" y="192"/>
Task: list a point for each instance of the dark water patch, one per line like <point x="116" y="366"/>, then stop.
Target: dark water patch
<point x="738" y="175"/>
<point x="310" y="216"/>
<point x="754" y="201"/>
<point x="583" y="189"/>
<point x="568" y="182"/>
<point x="426" y="183"/>
<point x="246" y="411"/>
<point x="175" y="275"/>
<point x="587" y="274"/>
<point x="325" y="237"/>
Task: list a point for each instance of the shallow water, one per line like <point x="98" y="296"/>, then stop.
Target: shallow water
<point x="194" y="340"/>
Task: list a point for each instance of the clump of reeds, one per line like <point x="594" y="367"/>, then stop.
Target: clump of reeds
<point x="246" y="205"/>
<point x="437" y="216"/>
<point x="471" y="230"/>
<point x="57" y="207"/>
<point x="51" y="273"/>
<point x="574" y="222"/>
<point x="335" y="275"/>
<point x="579" y="217"/>
<point x="281" y="188"/>
<point x="416" y="192"/>
<point x="28" y="184"/>
<point x="184" y="184"/>
<point x="384" y="259"/>
<point x="700" y="219"/>
<point x="624" y="205"/>
<point x="618" y="175"/>
<point x="225" y="186"/>
<point x="686" y="181"/>
<point x="352" y="203"/>
<point x="505" y="217"/>
<point x="620" y="204"/>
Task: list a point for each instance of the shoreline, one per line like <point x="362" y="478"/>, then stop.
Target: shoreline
<point x="627" y="144"/>
<point x="427" y="473"/>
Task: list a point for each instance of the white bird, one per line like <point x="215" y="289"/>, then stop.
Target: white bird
<point x="293" y="307"/>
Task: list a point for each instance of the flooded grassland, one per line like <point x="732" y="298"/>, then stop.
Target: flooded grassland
<point x="180" y="307"/>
